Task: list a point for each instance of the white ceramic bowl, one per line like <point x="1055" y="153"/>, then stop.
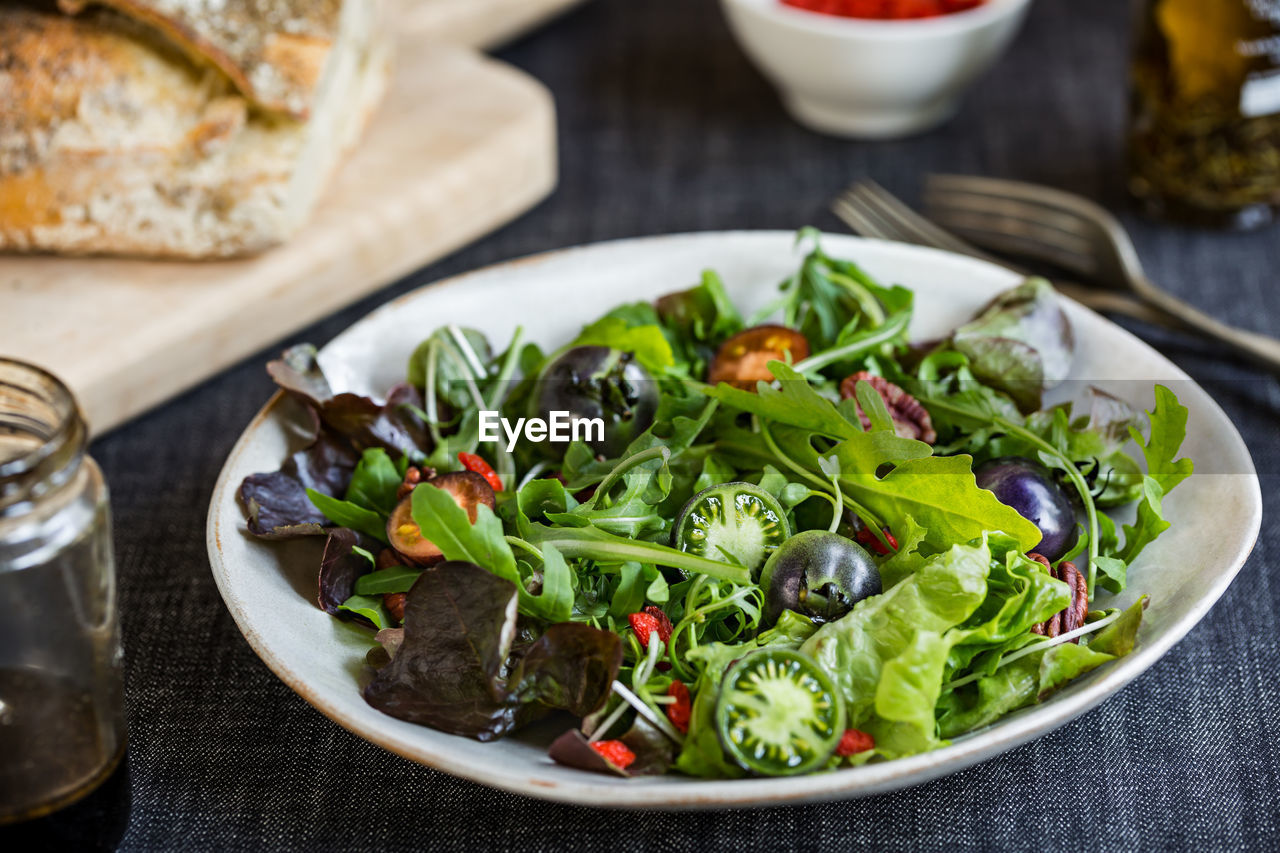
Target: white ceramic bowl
<point x="270" y="588"/>
<point x="872" y="79"/>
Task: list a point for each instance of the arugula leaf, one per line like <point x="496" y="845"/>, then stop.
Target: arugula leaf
<point x="698" y="320"/>
<point x="594" y="544"/>
<point x="870" y="402"/>
<point x="348" y="514"/>
<point x="451" y="358"/>
<point x="938" y="492"/>
<point x="448" y="526"/>
<point x="646" y="481"/>
<point x="389" y="580"/>
<point x="370" y="607"/>
<point x="1168" y="429"/>
<point x="638" y="583"/>
<point x="792" y="402"/>
<point x="554" y="602"/>
<point x="647" y="343"/>
<point x="374" y="482"/>
<point x="833" y="302"/>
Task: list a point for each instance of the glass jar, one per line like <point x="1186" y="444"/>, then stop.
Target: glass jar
<point x="1204" y="143"/>
<point x="62" y="727"/>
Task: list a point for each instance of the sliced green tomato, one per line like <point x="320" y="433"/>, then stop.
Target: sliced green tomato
<point x="732" y="522"/>
<point x="779" y="713"/>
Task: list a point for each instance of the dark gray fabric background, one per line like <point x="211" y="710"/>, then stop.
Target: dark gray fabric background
<point x="664" y="127"/>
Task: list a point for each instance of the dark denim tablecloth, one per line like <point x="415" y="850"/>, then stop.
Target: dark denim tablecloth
<point x="665" y="127"/>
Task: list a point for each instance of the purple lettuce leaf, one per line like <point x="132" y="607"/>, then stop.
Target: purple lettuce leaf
<point x="571" y="667"/>
<point x="365" y="422"/>
<point x="276" y="503"/>
<point x="459" y="622"/>
<point x="454" y="669"/>
<point x="340" y="568"/>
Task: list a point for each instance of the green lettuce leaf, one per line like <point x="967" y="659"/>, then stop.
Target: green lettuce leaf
<point x="649" y="345"/>
<point x="888" y="654"/>
<point x="1034" y="677"/>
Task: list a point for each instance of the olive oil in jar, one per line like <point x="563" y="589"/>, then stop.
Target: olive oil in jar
<point x="1204" y="144"/>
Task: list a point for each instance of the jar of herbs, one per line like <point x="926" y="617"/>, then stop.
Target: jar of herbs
<point x="62" y="725"/>
<point x="1204" y="141"/>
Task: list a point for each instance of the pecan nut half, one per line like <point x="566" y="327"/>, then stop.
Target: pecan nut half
<point x="1073" y="615"/>
<point x="394" y="602"/>
<point x="910" y="419"/>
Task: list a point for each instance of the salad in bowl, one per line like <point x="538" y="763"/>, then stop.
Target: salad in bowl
<point x="722" y="545"/>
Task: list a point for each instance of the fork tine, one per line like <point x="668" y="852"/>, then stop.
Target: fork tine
<point x="1069" y="204"/>
<point x="872" y="210"/>
<point x="1013" y="220"/>
<point x="866" y="206"/>
<point x="856" y="218"/>
<point x="924" y="232"/>
<point x="1011" y="236"/>
<point x="1115" y="258"/>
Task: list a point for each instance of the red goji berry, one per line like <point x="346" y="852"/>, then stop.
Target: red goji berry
<point x="854" y="741"/>
<point x="615" y="752"/>
<point x="475" y="463"/>
<point x="644" y="625"/>
<point x="664" y="622"/>
<point x="869" y="539"/>
<point x="680" y="711"/>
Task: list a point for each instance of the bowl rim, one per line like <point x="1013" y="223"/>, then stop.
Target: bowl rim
<point x="820" y="23"/>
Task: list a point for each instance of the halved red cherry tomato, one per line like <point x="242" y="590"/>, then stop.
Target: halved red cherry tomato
<point x="475" y="463"/>
<point x="743" y="360"/>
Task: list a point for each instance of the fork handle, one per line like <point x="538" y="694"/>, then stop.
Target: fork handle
<point x="1262" y="349"/>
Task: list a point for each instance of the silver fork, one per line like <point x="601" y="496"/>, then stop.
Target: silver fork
<point x="1076" y="234"/>
<point x="872" y="211"/>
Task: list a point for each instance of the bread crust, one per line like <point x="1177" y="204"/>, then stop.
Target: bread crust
<point x="274" y="52"/>
<point x="114" y="141"/>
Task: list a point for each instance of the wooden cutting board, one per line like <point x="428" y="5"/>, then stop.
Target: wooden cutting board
<point x="477" y="23"/>
<point x="460" y="145"/>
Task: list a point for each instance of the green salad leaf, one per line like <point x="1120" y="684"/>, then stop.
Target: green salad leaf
<point x="349" y="514"/>
<point x="375" y="482"/>
<point x="646" y="342"/>
<point x="888" y="655"/>
<point x="1034" y="677"/>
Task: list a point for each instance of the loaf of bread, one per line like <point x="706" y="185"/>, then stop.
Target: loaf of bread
<point x="177" y="128"/>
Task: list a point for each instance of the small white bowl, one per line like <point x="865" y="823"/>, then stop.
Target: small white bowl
<point x="872" y="79"/>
